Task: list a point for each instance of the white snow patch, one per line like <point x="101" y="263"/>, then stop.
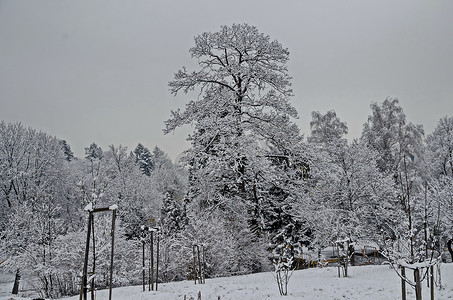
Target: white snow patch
<point x="365" y="282"/>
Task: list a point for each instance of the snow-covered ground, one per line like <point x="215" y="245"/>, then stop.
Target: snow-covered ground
<point x="365" y="282"/>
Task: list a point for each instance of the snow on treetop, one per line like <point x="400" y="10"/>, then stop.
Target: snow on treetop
<point x="89" y="207"/>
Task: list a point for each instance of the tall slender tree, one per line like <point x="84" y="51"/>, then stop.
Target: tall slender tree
<point x="439" y="182"/>
<point x="400" y="145"/>
<point x="143" y="158"/>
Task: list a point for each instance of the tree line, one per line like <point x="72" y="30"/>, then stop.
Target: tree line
<point x="44" y="190"/>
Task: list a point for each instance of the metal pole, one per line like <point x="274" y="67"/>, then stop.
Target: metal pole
<point x="83" y="291"/>
<point x="111" y="255"/>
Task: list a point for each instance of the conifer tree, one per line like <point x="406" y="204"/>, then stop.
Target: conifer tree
<point x="69" y="155"/>
<point x="144" y="160"/>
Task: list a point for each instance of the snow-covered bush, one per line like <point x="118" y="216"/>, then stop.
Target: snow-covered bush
<point x="283" y="259"/>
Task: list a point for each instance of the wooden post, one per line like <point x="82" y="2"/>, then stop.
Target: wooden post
<point x="83" y="289"/>
<point x="94" y="259"/>
<point x="200" y="280"/>
<point x="403" y="283"/>
<point x="91" y="210"/>
<point x="111" y="255"/>
<point x="152" y="260"/>
<point x="204" y="264"/>
<point x="143" y="264"/>
<point x="149" y="268"/>
<point x="194" y="264"/>
<point x="431" y="269"/>
<point x="418" y="284"/>
<point x="339" y="259"/>
<point x="157" y="260"/>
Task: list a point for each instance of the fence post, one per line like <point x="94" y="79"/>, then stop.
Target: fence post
<point x="418" y="284"/>
<point x="432" y="282"/>
<point x="200" y="279"/>
<point x="94" y="259"/>
<point x="83" y="289"/>
<point x="111" y="255"/>
<point x="143" y="265"/>
<point x="152" y="260"/>
<point x="194" y="264"/>
<point x="403" y="283"/>
<point x="157" y="260"/>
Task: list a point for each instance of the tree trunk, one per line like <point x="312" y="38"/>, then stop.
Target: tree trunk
<point x="346" y="258"/>
<point x="352" y="252"/>
<point x="425" y="223"/>
<point x="449" y="248"/>
<point x="16" y="283"/>
<point x="439" y="276"/>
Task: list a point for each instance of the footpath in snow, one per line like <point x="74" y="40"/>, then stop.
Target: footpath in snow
<point x="365" y="282"/>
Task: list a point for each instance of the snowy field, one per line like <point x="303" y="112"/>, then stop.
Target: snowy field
<point x="366" y="282"/>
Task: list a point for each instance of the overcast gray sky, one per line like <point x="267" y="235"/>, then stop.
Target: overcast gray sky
<point x="97" y="71"/>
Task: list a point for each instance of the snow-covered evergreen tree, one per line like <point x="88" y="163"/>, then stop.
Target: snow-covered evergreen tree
<point x="143" y="158"/>
<point x="69" y="155"/>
